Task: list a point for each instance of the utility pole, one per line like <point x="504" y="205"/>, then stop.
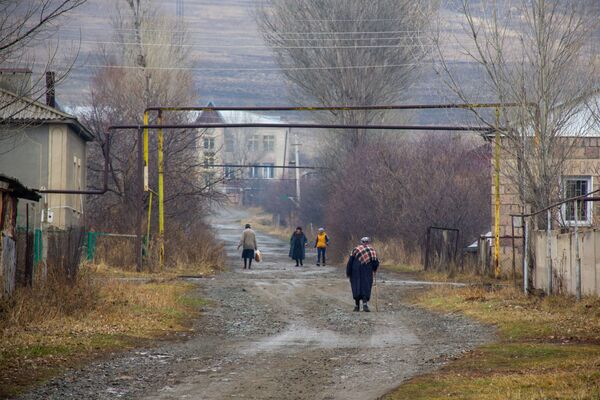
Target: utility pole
<point x="140" y="201"/>
<point x="297" y="159"/>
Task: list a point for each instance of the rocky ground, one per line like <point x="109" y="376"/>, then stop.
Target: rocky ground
<point x="280" y="332"/>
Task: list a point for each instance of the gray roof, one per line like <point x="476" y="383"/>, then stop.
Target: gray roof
<point x="15" y="109"/>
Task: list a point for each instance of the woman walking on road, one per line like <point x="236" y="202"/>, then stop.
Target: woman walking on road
<point x="298" y="243"/>
<point x="321" y="243"/>
<point x="248" y="243"/>
<point x="361" y="268"/>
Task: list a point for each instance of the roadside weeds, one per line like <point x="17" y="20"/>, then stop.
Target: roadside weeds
<point x="548" y="349"/>
<point x="60" y="325"/>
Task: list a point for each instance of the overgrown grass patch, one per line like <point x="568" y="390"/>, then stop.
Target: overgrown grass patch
<point x="50" y="327"/>
<point x="548" y="349"/>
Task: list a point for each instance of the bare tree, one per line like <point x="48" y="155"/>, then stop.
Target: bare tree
<point x="23" y="24"/>
<point x="147" y="72"/>
<point x="347" y="52"/>
<point x="538" y="54"/>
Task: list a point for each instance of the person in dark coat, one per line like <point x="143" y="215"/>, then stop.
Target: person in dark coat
<point x="361" y="268"/>
<point x="298" y="243"/>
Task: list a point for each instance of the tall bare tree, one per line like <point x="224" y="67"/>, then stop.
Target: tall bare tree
<point x="147" y="70"/>
<point x="539" y="54"/>
<point x="347" y="52"/>
<point x="23" y="25"/>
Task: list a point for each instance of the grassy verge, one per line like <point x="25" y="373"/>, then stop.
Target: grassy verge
<point x="45" y="330"/>
<point x="549" y="348"/>
<point x="263" y="221"/>
<point x="416" y="271"/>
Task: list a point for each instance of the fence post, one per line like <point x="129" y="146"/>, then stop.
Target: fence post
<point x="526" y="257"/>
<point x="577" y="259"/>
<point x="549" y="251"/>
<point x="514" y="259"/>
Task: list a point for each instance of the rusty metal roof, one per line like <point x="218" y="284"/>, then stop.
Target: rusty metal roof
<point x="19" y="190"/>
<point x="22" y="110"/>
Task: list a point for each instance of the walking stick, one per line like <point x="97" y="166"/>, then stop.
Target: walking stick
<point x="376" y="292"/>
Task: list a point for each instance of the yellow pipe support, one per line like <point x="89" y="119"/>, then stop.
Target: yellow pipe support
<point x="161" y="194"/>
<point x="497" y="198"/>
<point x="146" y="145"/>
<point x="149" y="217"/>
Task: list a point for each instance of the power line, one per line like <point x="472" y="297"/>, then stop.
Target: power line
<point x="259" y="69"/>
<point x="256" y="46"/>
<point x="245" y="33"/>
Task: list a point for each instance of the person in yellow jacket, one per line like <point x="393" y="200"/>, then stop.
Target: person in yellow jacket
<point x="321" y="244"/>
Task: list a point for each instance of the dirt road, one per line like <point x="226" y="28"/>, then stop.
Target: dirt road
<point x="280" y="332"/>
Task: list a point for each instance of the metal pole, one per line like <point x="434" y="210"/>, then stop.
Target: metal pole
<point x="146" y="153"/>
<point x="514" y="257"/>
<point x="140" y="200"/>
<point x="285" y="146"/>
<point x="526" y="258"/>
<point x="161" y="195"/>
<point x="297" y="158"/>
<point x="549" y="250"/>
<point x="497" y="198"/>
<point x="149" y="219"/>
<point x="577" y="259"/>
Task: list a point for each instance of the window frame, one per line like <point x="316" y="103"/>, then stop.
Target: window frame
<point x="268" y="171"/>
<point x="269" y="143"/>
<point x="254" y="172"/>
<point x="588" y="205"/>
<point x="211" y="143"/>
<point x="253" y="143"/>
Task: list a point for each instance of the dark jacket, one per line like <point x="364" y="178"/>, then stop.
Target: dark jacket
<point x="361" y="277"/>
<point x="297" y="246"/>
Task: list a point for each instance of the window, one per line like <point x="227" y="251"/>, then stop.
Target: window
<point x="209" y="159"/>
<point x="577" y="186"/>
<point x="254" y="172"/>
<point x="268" y="171"/>
<point x="209" y="143"/>
<point x="269" y="142"/>
<point x="229" y="172"/>
<point x="253" y="143"/>
<point x="229" y="144"/>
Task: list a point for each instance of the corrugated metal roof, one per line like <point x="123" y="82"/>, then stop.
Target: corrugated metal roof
<point x="20" y="190"/>
<point x="19" y="109"/>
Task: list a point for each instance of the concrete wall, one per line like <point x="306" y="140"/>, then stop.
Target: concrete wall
<point x="43" y="156"/>
<point x="563" y="261"/>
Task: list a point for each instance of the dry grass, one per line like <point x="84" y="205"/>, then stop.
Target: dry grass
<point x="49" y="328"/>
<point x="263" y="221"/>
<point x="549" y="348"/>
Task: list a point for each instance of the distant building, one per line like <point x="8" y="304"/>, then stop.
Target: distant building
<point x="42" y="147"/>
<point x="263" y="148"/>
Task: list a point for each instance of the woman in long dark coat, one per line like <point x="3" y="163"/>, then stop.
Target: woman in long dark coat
<point x="298" y="243"/>
<point x="361" y="267"/>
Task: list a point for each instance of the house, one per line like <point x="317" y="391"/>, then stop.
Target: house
<point x="44" y="148"/>
<point x="11" y="190"/>
<point x="262" y="148"/>
<point x="580" y="176"/>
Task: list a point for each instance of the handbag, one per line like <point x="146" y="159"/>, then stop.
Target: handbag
<point x="257" y="256"/>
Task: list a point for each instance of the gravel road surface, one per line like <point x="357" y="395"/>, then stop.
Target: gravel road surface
<point x="281" y="332"/>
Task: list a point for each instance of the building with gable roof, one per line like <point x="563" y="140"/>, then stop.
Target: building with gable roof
<point x="262" y="148"/>
<point x="44" y="147"/>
